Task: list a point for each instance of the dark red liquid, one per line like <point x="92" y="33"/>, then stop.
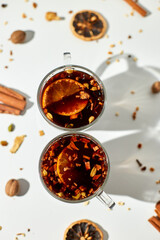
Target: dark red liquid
<point x="92" y="109"/>
<point x="81" y="173"/>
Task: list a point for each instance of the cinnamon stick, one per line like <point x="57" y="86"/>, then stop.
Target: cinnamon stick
<point x="10" y="110"/>
<point x="136" y="7"/>
<point x="158" y="206"/>
<point x="11" y="92"/>
<point x="158" y="213"/>
<point x="12" y="101"/>
<point x="155" y="221"/>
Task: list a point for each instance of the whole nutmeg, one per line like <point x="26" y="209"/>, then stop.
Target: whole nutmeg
<point x="12" y="187"/>
<point x="18" y="36"/>
<point x="156" y="87"/>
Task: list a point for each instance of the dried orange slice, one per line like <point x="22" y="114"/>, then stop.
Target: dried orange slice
<point x="66" y="166"/>
<point x="83" y="230"/>
<point x="62" y="96"/>
<point x="88" y="25"/>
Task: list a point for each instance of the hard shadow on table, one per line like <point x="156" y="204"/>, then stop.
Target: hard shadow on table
<point x="29" y="36"/>
<point x="126" y="177"/>
<point x="121" y="101"/>
<point x="24" y="187"/>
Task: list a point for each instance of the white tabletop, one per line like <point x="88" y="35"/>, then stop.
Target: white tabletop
<point x="47" y="217"/>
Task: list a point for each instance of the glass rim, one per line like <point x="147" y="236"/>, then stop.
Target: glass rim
<point x="48" y="76"/>
<point x="100" y="189"/>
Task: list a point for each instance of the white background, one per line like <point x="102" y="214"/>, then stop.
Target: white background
<point x="45" y="216"/>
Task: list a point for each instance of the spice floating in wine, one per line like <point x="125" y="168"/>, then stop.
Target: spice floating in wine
<point x="74" y="167"/>
<point x="72" y="99"/>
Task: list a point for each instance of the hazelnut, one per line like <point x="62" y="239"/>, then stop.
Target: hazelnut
<point x="18" y="36"/>
<point x="156" y="87"/>
<point x="12" y="187"/>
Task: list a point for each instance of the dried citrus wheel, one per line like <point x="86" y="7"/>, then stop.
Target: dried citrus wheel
<point x="83" y="230"/>
<point x="66" y="166"/>
<point x="63" y="97"/>
<point x="88" y="25"/>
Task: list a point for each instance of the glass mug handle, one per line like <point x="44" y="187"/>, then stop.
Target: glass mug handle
<point x="67" y="58"/>
<point x="105" y="199"/>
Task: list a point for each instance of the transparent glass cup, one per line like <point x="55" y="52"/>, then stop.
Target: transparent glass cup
<point x="99" y="193"/>
<point x="68" y="66"/>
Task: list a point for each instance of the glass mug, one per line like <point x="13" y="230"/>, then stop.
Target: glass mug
<point x="71" y="97"/>
<point x="74" y="168"/>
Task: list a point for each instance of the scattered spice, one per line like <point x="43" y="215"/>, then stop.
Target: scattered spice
<point x="17" y="143"/>
<point x="110" y="52"/>
<point x="143" y="168"/>
<point x="151" y="169"/>
<point x="1" y="50"/>
<point x="21" y="169"/>
<point x="120" y="42"/>
<point x="70" y="11"/>
<point x="3" y="5"/>
<point x="11" y="52"/>
<point x="11" y="59"/>
<point x="139" y="163"/>
<point x="31" y="19"/>
<point x="50" y="16"/>
<point x="86" y="203"/>
<point x="132" y="13"/>
<point x="117" y="60"/>
<point x="139" y="145"/>
<point x="5" y="67"/>
<point x="21" y="234"/>
<point x="132" y="92"/>
<point x="128" y="209"/>
<point x="0" y="228"/>
<point x="121" y="52"/>
<point x="135" y="59"/>
<point x="108" y="62"/>
<point x="6" y="22"/>
<point x="116" y="114"/>
<point x="12" y="187"/>
<point x="112" y="45"/>
<point x="129" y="56"/>
<point x="24" y="15"/>
<point x="18" y="36"/>
<point x="129" y="37"/>
<point x="140" y="31"/>
<point x="158" y="182"/>
<point x="4" y="143"/>
<point x="134" y="115"/>
<point x="41" y="133"/>
<point x="121" y="203"/>
<point x="11" y="127"/>
<point x="34" y="5"/>
<point x="156" y="87"/>
<point x="28" y="229"/>
<point x="137" y="109"/>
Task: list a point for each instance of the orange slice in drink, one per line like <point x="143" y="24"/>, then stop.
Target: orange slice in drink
<point x="62" y="96"/>
<point x="66" y="166"/>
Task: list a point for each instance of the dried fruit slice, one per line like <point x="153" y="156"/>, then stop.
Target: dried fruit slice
<point x="88" y="25"/>
<point x="83" y="230"/>
<point x="66" y="166"/>
<point x="62" y="96"/>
